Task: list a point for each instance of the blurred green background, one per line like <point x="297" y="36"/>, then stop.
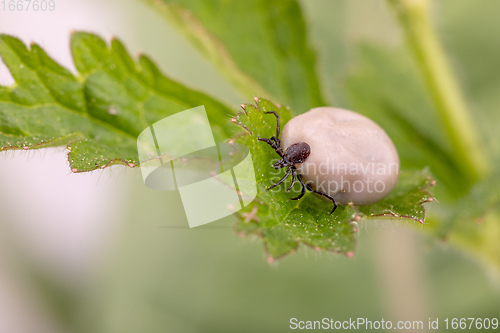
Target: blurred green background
<point x="148" y="275"/>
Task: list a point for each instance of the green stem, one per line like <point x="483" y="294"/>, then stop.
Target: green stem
<point x="467" y="151"/>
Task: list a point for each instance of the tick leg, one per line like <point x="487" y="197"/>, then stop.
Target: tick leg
<point x="269" y="142"/>
<point x="282" y="179"/>
<point x="293" y="180"/>
<point x="325" y="195"/>
<point x="303" y="188"/>
<point x="278" y="123"/>
<point x="274" y="143"/>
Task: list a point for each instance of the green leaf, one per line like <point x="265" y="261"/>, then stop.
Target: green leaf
<point x="385" y="86"/>
<point x="471" y="209"/>
<point x="283" y="223"/>
<point x="406" y="198"/>
<point x="261" y="46"/>
<point x="99" y="113"/>
<point x="474" y="222"/>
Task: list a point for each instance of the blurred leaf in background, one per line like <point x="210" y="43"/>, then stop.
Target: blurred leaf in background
<point x="260" y="46"/>
<point x="386" y="85"/>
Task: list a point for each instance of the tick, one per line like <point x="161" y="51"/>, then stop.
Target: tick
<point x="339" y="154"/>
<point x="293" y="156"/>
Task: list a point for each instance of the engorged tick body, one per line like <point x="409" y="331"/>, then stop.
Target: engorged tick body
<point x="339" y="154"/>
